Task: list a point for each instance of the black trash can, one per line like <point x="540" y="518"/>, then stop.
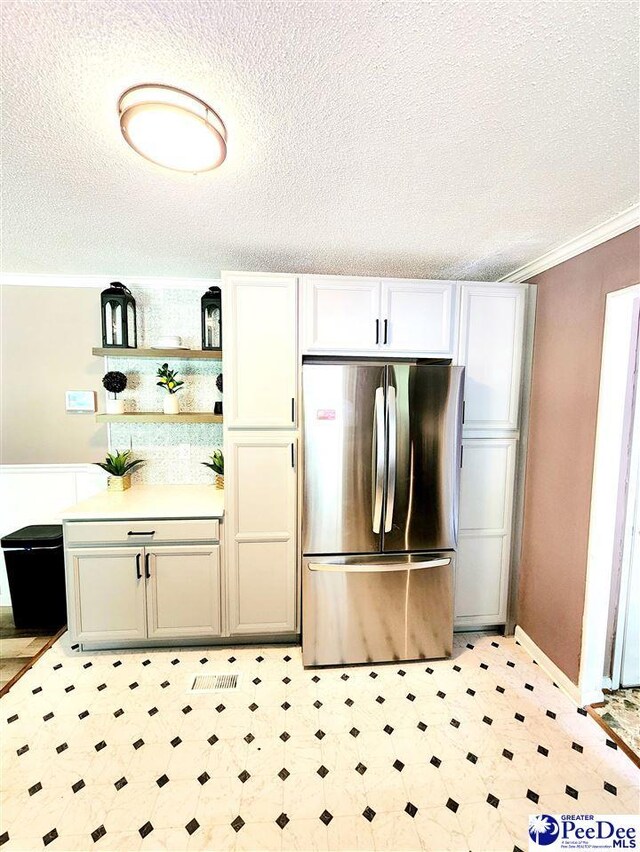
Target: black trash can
<point x="35" y="567"/>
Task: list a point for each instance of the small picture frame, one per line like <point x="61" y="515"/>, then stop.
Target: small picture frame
<point x="80" y="402"/>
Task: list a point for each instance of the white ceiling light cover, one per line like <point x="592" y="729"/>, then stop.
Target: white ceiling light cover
<point x="172" y="128"/>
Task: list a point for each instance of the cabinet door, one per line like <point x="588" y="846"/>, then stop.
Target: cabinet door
<point x="107" y="594"/>
<point x="261" y="485"/>
<point x="260" y="351"/>
<point x="418" y="317"/>
<point x="484" y="545"/>
<point x="183" y="590"/>
<point x="341" y="314"/>
<point x="491" y="334"/>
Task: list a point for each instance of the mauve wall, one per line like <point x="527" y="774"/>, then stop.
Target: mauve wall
<point x="564" y="399"/>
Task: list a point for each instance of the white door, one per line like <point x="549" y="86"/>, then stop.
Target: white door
<point x="418" y="317"/>
<point x="341" y="314"/>
<point x="484" y="543"/>
<point x="108" y="597"/>
<point x="491" y="335"/>
<point x="261" y="523"/>
<point x="183" y="590"/>
<point x="260" y="351"/>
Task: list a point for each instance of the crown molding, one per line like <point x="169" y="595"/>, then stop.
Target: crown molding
<point x="629" y="218"/>
<point x="102" y="281"/>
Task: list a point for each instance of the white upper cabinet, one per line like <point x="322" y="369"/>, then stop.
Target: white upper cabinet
<point x="418" y="317"/>
<point x="370" y="316"/>
<point x="340" y="313"/>
<point x="260" y="351"/>
<point x="491" y="336"/>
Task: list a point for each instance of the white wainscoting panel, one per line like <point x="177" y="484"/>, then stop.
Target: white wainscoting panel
<point x="36" y="494"/>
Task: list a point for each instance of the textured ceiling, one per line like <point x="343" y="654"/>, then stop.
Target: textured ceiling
<point x="426" y="139"/>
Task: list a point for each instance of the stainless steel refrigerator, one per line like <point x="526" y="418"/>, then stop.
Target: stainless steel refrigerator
<point x="381" y="459"/>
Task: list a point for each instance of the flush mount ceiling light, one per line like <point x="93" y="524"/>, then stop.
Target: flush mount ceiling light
<point x="172" y="128"/>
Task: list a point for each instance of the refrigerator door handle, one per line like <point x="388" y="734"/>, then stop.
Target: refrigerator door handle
<point x="392" y="438"/>
<point x="378" y="459"/>
<point x="377" y="568"/>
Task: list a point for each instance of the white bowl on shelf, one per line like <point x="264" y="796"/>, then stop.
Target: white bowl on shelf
<point x="168" y="342"/>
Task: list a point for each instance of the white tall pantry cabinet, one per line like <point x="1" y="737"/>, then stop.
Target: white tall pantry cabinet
<point x="475" y="324"/>
<point x="490" y="346"/>
<point x="261" y="452"/>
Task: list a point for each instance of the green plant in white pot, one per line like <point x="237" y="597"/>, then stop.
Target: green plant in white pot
<point x="119" y="466"/>
<point x="168" y="381"/>
<point x="217" y="466"/>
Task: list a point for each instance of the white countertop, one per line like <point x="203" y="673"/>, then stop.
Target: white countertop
<point x="150" y="501"/>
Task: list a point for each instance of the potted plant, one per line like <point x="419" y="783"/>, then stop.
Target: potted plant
<point x="217" y="406"/>
<point x="172" y="385"/>
<point x="119" y="466"/>
<point x="217" y="466"/>
<point x="114" y="382"/>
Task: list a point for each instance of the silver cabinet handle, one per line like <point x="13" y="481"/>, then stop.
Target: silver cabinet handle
<point x="378" y="459"/>
<point x="377" y="567"/>
<point x="392" y="438"/>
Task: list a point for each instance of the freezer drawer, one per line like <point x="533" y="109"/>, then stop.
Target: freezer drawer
<point x="367" y="609"/>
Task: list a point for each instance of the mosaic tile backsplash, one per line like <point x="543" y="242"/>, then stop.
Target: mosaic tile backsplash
<point x="173" y="452"/>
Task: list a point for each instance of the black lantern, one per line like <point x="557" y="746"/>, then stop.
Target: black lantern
<point x="212" y="319"/>
<point x="118" y="309"/>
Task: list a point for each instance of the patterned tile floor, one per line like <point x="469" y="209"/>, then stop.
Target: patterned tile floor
<point x="110" y="751"/>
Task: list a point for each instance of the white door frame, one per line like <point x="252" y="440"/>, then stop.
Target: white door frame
<point x="623" y="596"/>
<point x="609" y="493"/>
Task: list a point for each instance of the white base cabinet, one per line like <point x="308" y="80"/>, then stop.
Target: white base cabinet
<point x="484" y="542"/>
<point x="120" y="594"/>
<point x="183" y="591"/>
<point x="261" y="487"/>
<point x="106" y="594"/>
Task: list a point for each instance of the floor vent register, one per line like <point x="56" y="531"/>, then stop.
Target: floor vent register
<point x="213" y="682"/>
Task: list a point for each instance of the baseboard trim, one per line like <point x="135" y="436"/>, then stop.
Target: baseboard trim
<point x="569" y="688"/>
<point x="617" y="739"/>
<point x="613" y="227"/>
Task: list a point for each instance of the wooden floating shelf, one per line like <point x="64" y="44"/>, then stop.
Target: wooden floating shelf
<point x="159" y="417"/>
<point x="158" y="354"/>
